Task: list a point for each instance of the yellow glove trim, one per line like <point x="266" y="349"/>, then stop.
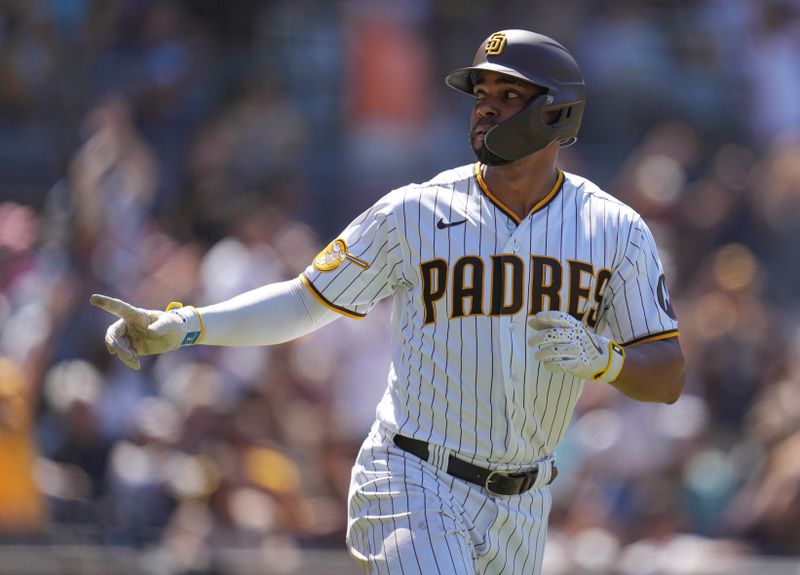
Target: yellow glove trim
<point x="614" y="351"/>
<point x="203" y="325"/>
<point x="192" y="337"/>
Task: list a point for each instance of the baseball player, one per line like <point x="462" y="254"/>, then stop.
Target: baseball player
<point x="513" y="284"/>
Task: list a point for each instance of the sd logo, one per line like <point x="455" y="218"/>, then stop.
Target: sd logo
<point x="495" y="44"/>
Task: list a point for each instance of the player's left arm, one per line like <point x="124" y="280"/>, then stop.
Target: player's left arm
<point x="641" y="317"/>
<point x="652" y="371"/>
<point x="642" y="358"/>
<point x="646" y="371"/>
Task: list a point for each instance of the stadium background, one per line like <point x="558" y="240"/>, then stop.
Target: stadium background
<point x="189" y="150"/>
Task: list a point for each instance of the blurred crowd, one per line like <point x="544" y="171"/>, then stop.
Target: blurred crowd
<point x="188" y="151"/>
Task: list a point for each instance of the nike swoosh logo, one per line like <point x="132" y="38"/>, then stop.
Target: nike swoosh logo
<point x="441" y="224"/>
<point x="594" y="343"/>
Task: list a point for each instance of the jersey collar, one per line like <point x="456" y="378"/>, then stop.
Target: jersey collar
<point x="510" y="213"/>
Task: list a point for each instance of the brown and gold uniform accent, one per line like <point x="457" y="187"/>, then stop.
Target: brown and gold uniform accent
<point x="463" y="292"/>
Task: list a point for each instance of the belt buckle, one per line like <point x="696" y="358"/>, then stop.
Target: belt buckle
<point x="488" y="484"/>
<point x="528" y="479"/>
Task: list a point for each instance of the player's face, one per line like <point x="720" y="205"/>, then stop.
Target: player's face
<point x="497" y="98"/>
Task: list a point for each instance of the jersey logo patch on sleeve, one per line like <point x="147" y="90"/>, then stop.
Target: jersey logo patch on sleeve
<point x="334" y="254"/>
<point x="663" y="298"/>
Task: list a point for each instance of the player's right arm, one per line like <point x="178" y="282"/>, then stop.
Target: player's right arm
<point x="347" y="278"/>
<point x="268" y="315"/>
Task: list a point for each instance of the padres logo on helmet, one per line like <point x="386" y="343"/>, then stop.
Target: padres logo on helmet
<point x="495" y="44"/>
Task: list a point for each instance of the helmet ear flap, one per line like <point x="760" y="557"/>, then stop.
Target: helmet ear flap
<point x="569" y="115"/>
<point x="524" y="133"/>
<point x="530" y="130"/>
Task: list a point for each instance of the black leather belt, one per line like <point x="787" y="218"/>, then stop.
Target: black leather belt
<point x="496" y="482"/>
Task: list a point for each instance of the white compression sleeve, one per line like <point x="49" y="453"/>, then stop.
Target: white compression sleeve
<point x="271" y="314"/>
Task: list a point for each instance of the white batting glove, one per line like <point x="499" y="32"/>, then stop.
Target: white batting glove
<point x="148" y="332"/>
<point x="566" y="345"/>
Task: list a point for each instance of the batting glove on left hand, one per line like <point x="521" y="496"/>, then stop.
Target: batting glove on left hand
<point x="566" y="345"/>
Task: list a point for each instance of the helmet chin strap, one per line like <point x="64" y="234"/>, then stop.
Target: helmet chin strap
<point x="524" y="133"/>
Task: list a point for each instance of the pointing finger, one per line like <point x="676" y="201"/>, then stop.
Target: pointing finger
<point x="134" y="315"/>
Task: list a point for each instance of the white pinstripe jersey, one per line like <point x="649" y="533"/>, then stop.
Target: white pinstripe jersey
<point x="466" y="273"/>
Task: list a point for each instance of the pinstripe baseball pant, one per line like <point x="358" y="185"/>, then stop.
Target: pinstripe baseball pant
<point x="408" y="517"/>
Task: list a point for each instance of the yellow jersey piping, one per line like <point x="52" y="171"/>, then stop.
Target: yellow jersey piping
<point x="326" y="303"/>
<point x="510" y="213"/>
<point x="656" y="337"/>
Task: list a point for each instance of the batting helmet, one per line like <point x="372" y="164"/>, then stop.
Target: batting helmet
<point x="540" y="60"/>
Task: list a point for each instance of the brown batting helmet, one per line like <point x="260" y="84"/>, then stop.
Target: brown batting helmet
<point x="542" y="61"/>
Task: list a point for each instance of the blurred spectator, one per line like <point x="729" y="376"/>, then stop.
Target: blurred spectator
<point x="22" y="510"/>
<point x="73" y="474"/>
<point x="112" y="184"/>
<point x="772" y="73"/>
<point x="251" y="159"/>
<point x="767" y="510"/>
<point x="388" y="92"/>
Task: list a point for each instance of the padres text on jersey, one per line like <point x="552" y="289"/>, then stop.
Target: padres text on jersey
<point x="466" y="273"/>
